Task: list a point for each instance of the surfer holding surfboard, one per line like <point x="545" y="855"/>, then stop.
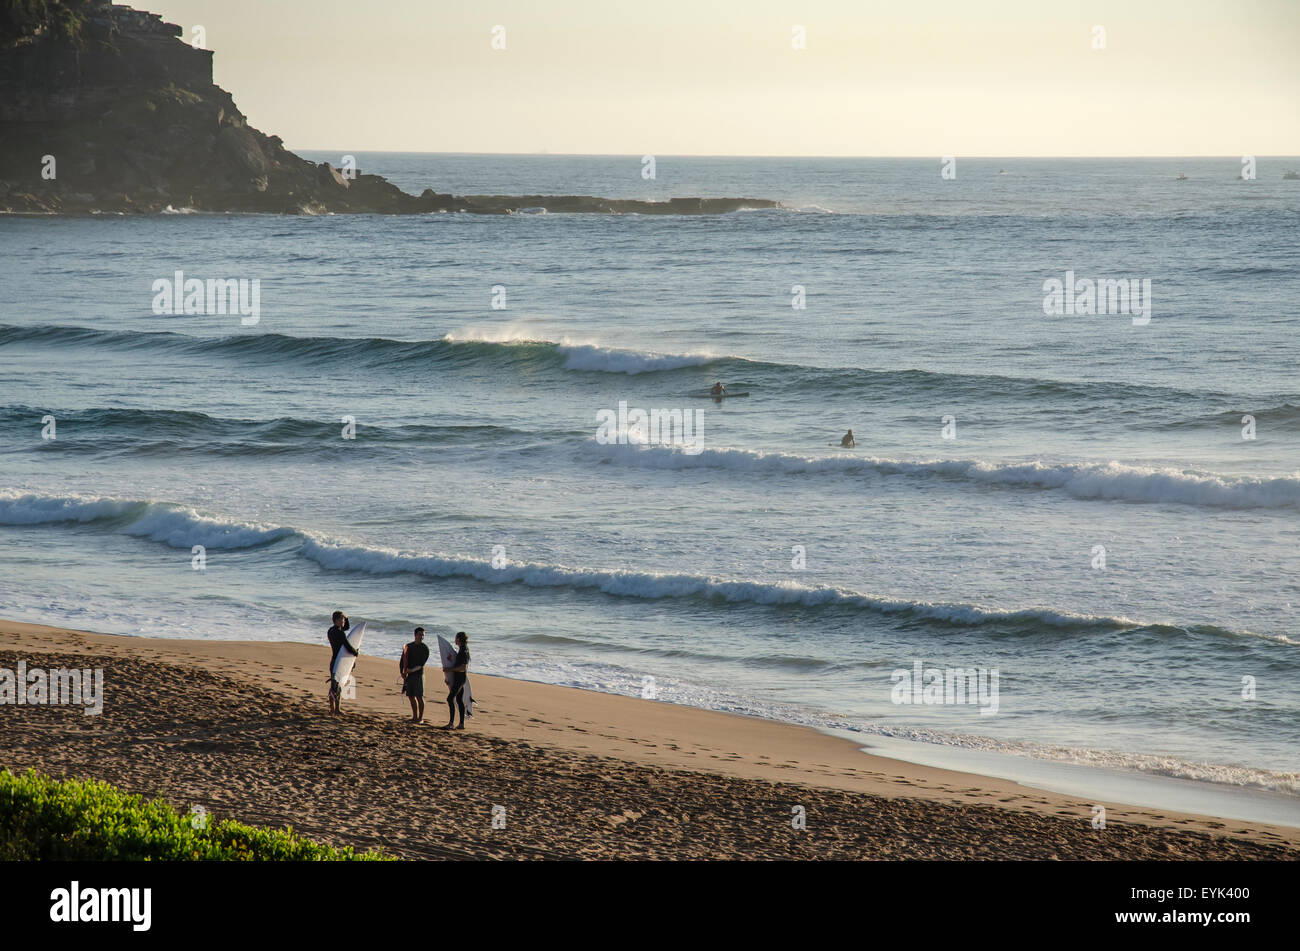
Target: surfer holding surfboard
<point x="455" y="668"/>
<point x="338" y="638"/>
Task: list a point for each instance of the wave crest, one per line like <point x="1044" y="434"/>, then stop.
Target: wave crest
<point x="1111" y="481"/>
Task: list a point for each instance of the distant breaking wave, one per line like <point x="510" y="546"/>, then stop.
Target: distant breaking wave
<point x="609" y="360"/>
<point x="1111" y="481"/>
<point x="175" y="525"/>
<point x="181" y="526"/>
<point x="464" y="349"/>
<point x="512" y="348"/>
<point x="587" y="356"/>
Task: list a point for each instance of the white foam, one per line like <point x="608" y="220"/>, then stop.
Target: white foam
<point x="611" y="679"/>
<point x="1223" y="774"/>
<point x="182" y="527"/>
<point x="655" y="585"/>
<point x="514" y="332"/>
<point x="593" y="357"/>
<point x="174" y="525"/>
<point x="583" y="353"/>
<point x="26" y="508"/>
<point x="1109" y="481"/>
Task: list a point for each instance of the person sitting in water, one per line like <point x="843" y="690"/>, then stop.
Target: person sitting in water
<point x="414" y="656"/>
<point x="718" y="389"/>
<point x="847" y="442"/>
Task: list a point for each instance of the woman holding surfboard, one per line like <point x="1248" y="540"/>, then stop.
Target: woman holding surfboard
<point x="458" y="672"/>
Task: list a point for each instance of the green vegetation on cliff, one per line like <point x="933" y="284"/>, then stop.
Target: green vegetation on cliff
<point x="63" y="20"/>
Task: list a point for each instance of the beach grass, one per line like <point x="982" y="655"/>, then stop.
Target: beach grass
<point x="48" y="819"/>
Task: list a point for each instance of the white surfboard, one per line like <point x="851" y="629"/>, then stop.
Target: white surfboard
<point x="447" y="651"/>
<point x="346" y="660"/>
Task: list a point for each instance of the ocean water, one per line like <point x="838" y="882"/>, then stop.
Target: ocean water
<point x="1098" y="531"/>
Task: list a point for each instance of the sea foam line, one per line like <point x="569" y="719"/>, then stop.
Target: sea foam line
<point x="585" y="355"/>
<point x="655" y="585"/>
<point x="1113" y="481"/>
<point x="180" y="526"/>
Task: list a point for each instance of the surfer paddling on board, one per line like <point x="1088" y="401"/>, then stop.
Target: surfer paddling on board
<point x="338" y="638"/>
<point x="848" y="442"/>
<point x="718" y="391"/>
<point x="458" y="670"/>
<point x="414" y="656"/>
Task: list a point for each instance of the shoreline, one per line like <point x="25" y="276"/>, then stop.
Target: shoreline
<point x="483" y="205"/>
<point x="1135" y="787"/>
<point x="612" y="735"/>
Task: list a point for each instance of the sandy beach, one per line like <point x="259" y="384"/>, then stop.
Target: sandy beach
<point x="240" y="728"/>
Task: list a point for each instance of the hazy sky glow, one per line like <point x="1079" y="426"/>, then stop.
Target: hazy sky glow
<point x="720" y="77"/>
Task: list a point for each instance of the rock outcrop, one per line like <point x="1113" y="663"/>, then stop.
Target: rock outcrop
<point x="105" y="109"/>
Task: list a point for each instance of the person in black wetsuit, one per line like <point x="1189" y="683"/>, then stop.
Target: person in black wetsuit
<point x="459" y="669"/>
<point x="414" y="656"/>
<point x="338" y="638"/>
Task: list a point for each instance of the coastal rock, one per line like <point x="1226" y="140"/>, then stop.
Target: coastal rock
<point x="130" y="117"/>
<point x="330" y="174"/>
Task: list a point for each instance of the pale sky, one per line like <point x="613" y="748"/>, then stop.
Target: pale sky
<point x="721" y="77"/>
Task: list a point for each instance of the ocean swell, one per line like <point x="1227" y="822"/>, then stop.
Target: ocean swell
<point x="1111" y="481"/>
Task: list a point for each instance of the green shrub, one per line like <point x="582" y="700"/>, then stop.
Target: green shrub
<point x="75" y="820"/>
<point x="63" y="20"/>
<point x="172" y="95"/>
<point x="22" y="18"/>
<point x="67" y="25"/>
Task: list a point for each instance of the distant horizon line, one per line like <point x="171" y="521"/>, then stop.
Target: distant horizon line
<point x="1227" y="157"/>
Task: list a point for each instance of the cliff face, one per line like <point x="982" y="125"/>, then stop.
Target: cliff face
<point x="105" y="109"/>
<point x="130" y="115"/>
<point x="48" y="75"/>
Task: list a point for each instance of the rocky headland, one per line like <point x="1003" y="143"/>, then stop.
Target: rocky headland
<point x="105" y="109"/>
